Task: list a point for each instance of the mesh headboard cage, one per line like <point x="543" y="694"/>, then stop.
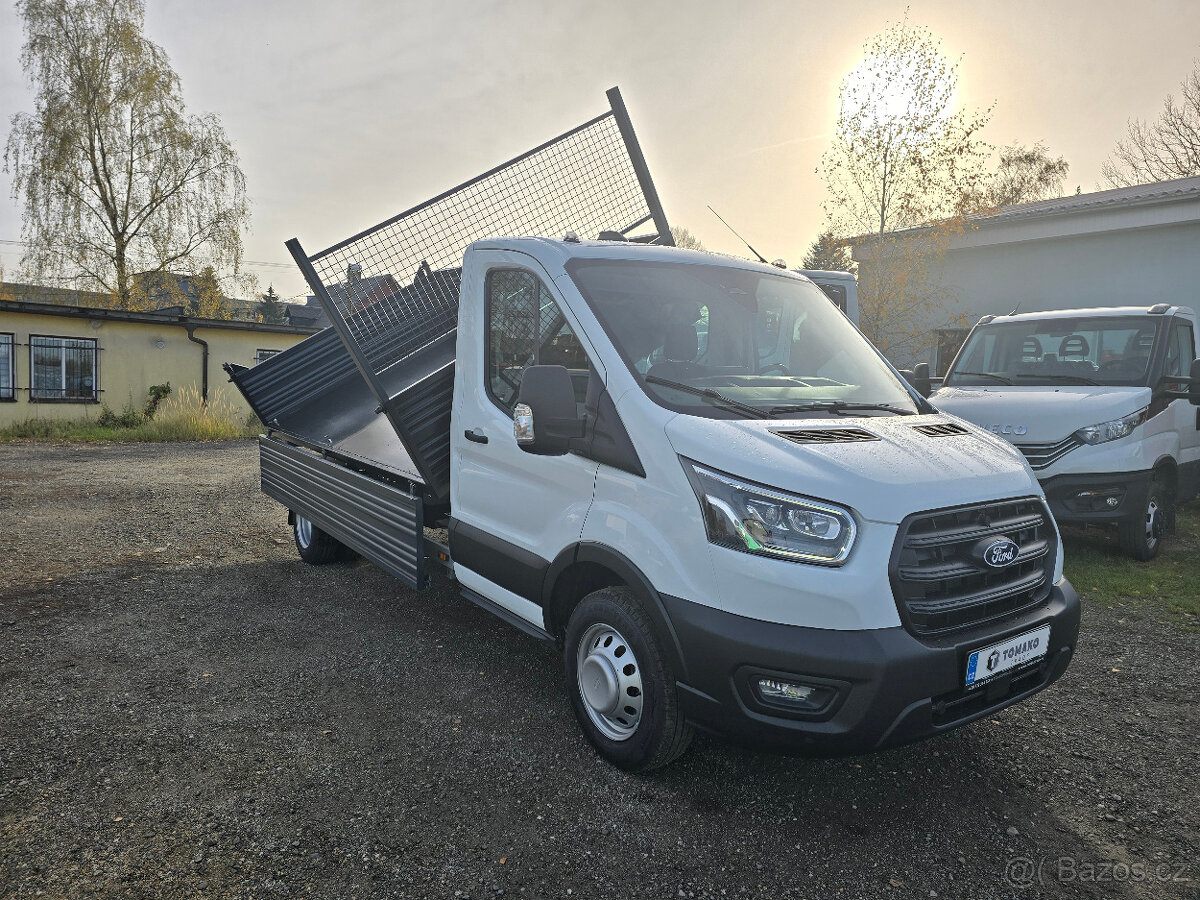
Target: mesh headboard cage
<point x="393" y="289"/>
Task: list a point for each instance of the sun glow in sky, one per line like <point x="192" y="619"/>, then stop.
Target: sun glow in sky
<point x="345" y="114"/>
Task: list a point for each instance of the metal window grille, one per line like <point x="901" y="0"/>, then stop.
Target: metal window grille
<point x="7" y="389"/>
<point x="525" y="327"/>
<point x="394" y="287"/>
<point x="260" y="355"/>
<point x="62" y="368"/>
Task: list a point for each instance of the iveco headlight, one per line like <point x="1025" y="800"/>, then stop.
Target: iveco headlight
<point x="756" y="519"/>
<point x="1111" y="431"/>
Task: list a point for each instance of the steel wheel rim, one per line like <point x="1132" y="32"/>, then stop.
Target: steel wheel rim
<point x="304" y="530"/>
<point x="610" y="682"/>
<point x="1152" y="523"/>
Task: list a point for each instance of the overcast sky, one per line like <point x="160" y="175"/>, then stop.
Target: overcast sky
<point x="347" y="112"/>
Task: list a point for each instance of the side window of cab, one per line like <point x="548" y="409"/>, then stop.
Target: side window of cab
<point x="1181" y="348"/>
<point x="525" y="327"/>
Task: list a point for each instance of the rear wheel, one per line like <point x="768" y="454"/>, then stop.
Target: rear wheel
<point x="315" y="546"/>
<point x="1141" y="535"/>
<point x="621" y="684"/>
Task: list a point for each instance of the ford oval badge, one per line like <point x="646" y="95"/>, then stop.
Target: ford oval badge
<point x="1000" y="553"/>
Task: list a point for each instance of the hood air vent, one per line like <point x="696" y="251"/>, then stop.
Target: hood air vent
<point x="940" y="429"/>
<point x="826" y="435"/>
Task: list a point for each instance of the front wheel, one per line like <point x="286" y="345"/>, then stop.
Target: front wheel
<point x="621" y="684"/>
<point x="1141" y="536"/>
<point x="315" y="546"/>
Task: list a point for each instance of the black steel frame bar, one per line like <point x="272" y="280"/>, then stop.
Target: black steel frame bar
<point x="625" y="125"/>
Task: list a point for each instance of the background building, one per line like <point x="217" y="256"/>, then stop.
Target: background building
<point x="66" y="362"/>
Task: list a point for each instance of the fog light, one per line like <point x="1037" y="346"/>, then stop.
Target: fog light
<point x="1096" y="500"/>
<point x="795" y="696"/>
<point x="770" y="689"/>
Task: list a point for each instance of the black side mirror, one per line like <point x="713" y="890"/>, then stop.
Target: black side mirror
<point x="918" y="379"/>
<point x="545" y="419"/>
<point x="1194" y="387"/>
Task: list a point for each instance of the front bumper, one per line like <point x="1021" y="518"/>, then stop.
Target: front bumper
<point x="1068" y="496"/>
<point x="892" y="687"/>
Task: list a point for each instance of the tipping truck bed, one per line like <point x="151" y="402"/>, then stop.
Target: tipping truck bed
<point x="372" y="393"/>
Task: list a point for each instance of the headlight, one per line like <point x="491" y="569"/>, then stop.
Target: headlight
<point x="1111" y="431"/>
<point x="755" y="519"/>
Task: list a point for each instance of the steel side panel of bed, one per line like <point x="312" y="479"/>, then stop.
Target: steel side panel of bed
<point x="376" y="519"/>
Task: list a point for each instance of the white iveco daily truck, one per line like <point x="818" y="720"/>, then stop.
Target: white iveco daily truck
<point x="1094" y="399"/>
<point x="691" y="473"/>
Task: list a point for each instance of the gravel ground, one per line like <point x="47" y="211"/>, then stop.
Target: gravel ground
<point x="187" y="710"/>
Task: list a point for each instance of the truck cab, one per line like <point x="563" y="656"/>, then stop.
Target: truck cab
<point x="840" y="287"/>
<point x="1095" y="401"/>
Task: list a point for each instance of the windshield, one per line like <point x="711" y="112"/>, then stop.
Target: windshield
<point x="724" y="342"/>
<point x="1087" y="350"/>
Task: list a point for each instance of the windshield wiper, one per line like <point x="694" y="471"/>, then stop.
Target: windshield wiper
<point x="1071" y="379"/>
<point x="710" y="395"/>
<point x="840" y="407"/>
<point x="994" y="377"/>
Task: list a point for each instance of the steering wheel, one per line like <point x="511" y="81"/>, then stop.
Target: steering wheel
<point x="780" y="366"/>
<point x="1123" y="368"/>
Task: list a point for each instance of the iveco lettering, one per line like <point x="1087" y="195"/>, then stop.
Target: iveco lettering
<point x="690" y="473"/>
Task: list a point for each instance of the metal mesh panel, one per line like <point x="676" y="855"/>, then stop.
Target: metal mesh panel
<point x="396" y="285"/>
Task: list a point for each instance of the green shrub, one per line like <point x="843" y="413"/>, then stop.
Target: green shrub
<point x="156" y="394"/>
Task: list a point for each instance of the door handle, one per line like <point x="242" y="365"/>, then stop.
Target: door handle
<point x="474" y="434"/>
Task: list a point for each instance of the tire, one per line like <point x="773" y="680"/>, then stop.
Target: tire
<point x="621" y="684"/>
<point x="314" y="546"/>
<point x="1141" y="536"/>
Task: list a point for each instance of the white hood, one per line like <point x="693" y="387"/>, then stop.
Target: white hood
<point x="903" y="472"/>
<point x="1042" y="414"/>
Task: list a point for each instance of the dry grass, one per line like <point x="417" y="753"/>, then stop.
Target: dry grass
<point x="180" y="417"/>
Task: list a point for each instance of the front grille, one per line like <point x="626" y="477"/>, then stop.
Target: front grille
<point x="938" y="576"/>
<point x="826" y="435"/>
<point x="1040" y="456"/>
<point x="940" y="429"/>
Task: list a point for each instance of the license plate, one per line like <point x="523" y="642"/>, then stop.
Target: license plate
<point x="1014" y="653"/>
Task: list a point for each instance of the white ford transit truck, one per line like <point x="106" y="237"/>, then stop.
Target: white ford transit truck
<point x="1095" y="400"/>
<point x="690" y="473"/>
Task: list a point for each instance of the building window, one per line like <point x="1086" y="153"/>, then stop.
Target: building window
<point x="260" y="355"/>
<point x="7" y="374"/>
<point x="949" y="340"/>
<point x="62" y="369"/>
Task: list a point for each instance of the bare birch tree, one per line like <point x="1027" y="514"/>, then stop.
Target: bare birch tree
<point x="114" y="177"/>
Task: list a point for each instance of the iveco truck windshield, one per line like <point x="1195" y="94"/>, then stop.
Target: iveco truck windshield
<point x="728" y="342"/>
<point x="1098" y="351"/>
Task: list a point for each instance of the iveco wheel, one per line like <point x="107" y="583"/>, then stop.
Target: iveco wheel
<point x="1141" y="536"/>
<point x="314" y="546"/>
<point x="621" y="684"/>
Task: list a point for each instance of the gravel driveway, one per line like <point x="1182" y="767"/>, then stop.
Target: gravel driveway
<point x="187" y="710"/>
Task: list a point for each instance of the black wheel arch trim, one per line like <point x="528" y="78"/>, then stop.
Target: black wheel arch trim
<point x="632" y="576"/>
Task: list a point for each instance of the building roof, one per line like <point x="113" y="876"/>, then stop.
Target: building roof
<point x="1163" y="203"/>
<point x="146" y="318"/>
<point x="1160" y="191"/>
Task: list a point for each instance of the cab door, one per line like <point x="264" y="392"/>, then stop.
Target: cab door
<point x="512" y="511"/>
<point x="1183" y="417"/>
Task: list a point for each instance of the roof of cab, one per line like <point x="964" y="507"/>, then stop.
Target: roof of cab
<point x="546" y="250"/>
<point x="1093" y="311"/>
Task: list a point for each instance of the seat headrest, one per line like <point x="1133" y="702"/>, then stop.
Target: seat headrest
<point x="681" y="343"/>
